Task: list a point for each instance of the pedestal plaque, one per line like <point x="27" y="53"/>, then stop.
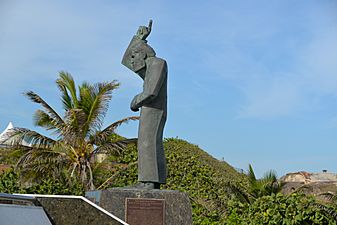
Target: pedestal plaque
<point x="140" y="211"/>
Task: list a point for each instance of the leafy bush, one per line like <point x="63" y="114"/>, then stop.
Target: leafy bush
<point x="279" y="210"/>
<point x="9" y="183"/>
<point x="55" y="187"/>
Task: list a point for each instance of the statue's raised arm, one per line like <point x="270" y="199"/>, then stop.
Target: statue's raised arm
<point x="138" y="49"/>
<point x="143" y="31"/>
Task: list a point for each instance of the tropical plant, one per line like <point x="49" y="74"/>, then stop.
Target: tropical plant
<point x="10" y="183"/>
<point x="79" y="136"/>
<point x="296" y="208"/>
<point x="265" y="186"/>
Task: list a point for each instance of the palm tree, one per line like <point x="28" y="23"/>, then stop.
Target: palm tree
<point x="267" y="185"/>
<point x="79" y="136"/>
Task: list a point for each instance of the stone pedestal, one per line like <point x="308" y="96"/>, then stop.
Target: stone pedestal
<point x="73" y="211"/>
<point x="159" y="207"/>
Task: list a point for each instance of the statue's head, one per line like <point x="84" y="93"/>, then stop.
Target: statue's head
<point x="136" y="54"/>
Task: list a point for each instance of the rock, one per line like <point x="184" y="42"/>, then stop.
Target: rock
<point x="309" y="183"/>
<point x="305" y="177"/>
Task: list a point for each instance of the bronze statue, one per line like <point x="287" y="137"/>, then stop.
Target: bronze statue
<point x="141" y="59"/>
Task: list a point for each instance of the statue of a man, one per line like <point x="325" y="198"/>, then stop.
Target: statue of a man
<point x="152" y="102"/>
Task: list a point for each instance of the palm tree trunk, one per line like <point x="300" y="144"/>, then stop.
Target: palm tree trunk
<point x="91" y="179"/>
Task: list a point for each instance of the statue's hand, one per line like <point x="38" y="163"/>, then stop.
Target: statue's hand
<point x="143" y="31"/>
<point x="133" y="105"/>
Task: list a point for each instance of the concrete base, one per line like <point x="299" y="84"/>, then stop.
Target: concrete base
<point x="75" y="210"/>
<point x="178" y="209"/>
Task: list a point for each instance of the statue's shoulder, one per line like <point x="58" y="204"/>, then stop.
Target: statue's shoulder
<point x="157" y="62"/>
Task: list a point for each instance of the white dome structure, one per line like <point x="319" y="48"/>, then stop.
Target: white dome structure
<point x="3" y="134"/>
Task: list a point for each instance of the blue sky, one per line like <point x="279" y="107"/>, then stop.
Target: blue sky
<point x="250" y="81"/>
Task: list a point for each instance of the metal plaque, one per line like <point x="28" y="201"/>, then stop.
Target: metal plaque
<point x="140" y="211"/>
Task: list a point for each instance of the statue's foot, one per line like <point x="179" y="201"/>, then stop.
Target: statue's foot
<point x="147" y="185"/>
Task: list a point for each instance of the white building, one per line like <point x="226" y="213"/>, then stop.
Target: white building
<point x="3" y="134"/>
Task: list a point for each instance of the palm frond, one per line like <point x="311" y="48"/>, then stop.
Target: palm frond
<point x="266" y="185"/>
<point x="268" y="179"/>
<point x="10" y="154"/>
<point x="241" y="194"/>
<point x="38" y="164"/>
<point x="42" y="160"/>
<point x="75" y="118"/>
<point x="42" y="119"/>
<point x="100" y="95"/>
<point x="51" y="112"/>
<point x="251" y="174"/>
<point x="112" y="127"/>
<point x="66" y="84"/>
<point x="66" y="99"/>
<point x="12" y="149"/>
<point x="73" y="133"/>
<point x="270" y="176"/>
<point x="86" y="97"/>
<point x="20" y="136"/>
<point x="105" y="134"/>
<point x="269" y="183"/>
<point x="115" y="147"/>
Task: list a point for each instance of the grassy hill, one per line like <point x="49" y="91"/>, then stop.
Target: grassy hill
<point x="191" y="170"/>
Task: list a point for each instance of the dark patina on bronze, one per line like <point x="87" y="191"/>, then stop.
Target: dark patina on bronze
<point x="141" y="211"/>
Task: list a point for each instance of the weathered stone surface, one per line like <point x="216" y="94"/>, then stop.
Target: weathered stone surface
<point x="313" y="188"/>
<point x="64" y="211"/>
<point x="177" y="204"/>
<point x="309" y="183"/>
<point x="305" y="177"/>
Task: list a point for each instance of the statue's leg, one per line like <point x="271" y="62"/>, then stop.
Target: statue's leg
<point x="161" y="159"/>
<point x="149" y="125"/>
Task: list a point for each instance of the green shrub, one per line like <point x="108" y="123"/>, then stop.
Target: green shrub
<point x="279" y="210"/>
<point x="55" y="187"/>
<point x="10" y="183"/>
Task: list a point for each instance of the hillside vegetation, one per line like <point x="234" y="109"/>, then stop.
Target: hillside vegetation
<point x="207" y="181"/>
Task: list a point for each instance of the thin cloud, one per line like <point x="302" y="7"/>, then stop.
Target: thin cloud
<point x="318" y="62"/>
<point x="276" y="97"/>
<point x="280" y="77"/>
<point x="38" y="39"/>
